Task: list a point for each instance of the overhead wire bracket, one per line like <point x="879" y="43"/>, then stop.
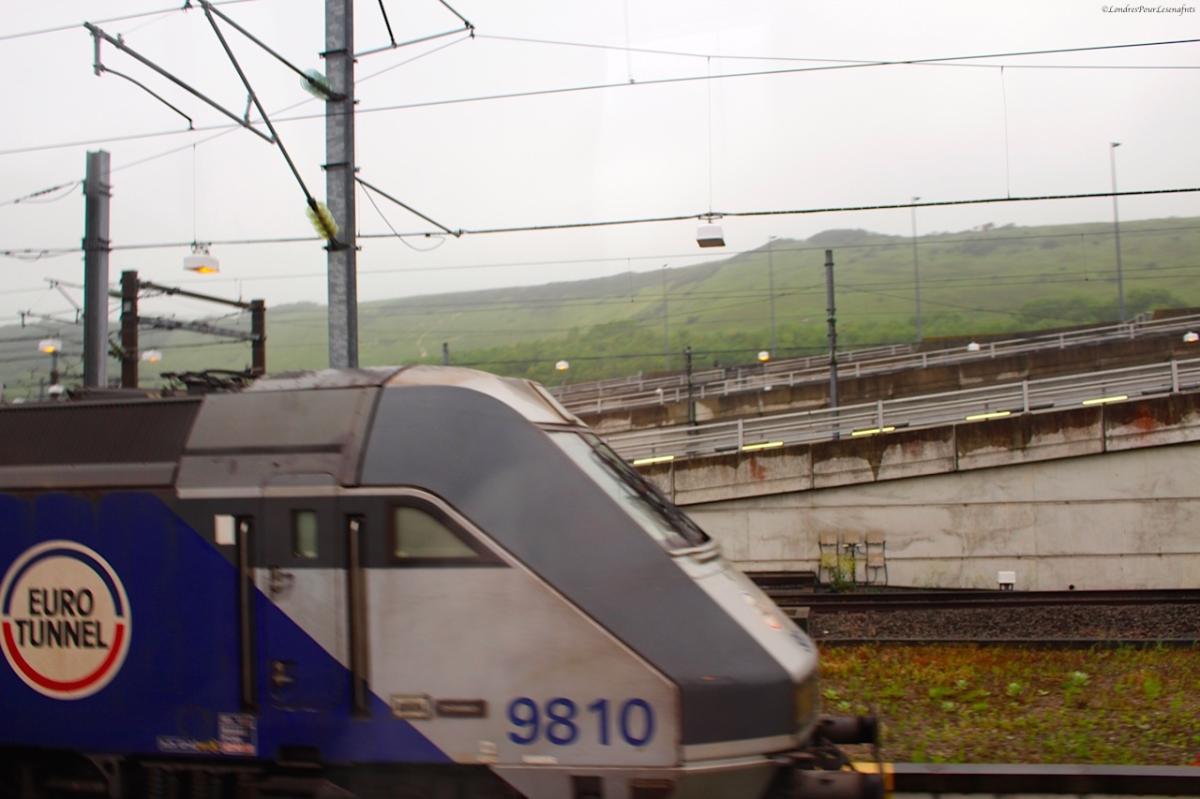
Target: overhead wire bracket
<point x="387" y="23"/>
<point x="409" y="208"/>
<point x="314" y="206"/>
<point x="322" y="89"/>
<point x="98" y="34"/>
<point x="397" y="45"/>
<point x="467" y="27"/>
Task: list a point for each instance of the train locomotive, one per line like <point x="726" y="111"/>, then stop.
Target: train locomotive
<point x="414" y="581"/>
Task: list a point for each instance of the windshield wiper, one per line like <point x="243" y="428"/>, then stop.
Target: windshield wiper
<point x="689" y="533"/>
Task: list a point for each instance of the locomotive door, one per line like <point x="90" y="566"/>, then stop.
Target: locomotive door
<point x="303" y="641"/>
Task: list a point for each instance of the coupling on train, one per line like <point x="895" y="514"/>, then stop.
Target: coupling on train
<point x="413" y="581"/>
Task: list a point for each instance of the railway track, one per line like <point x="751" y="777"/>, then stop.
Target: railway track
<point x="922" y="779"/>
<point x="787" y="597"/>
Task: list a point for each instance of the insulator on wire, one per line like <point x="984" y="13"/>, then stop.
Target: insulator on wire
<point x="322" y="221"/>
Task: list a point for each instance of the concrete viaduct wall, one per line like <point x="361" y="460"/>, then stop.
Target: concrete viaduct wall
<point x="1103" y="497"/>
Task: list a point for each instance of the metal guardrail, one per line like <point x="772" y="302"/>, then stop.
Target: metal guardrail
<point x="885" y="416"/>
<point x="634" y="392"/>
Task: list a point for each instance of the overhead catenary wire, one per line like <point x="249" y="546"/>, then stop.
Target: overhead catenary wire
<point x="122" y="18"/>
<point x="224" y="132"/>
<point x="811" y="59"/>
<point x="888" y="242"/>
<point x="39" y="196"/>
<point x="596" y="87"/>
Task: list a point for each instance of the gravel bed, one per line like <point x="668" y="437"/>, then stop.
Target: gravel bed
<point x="1123" y="622"/>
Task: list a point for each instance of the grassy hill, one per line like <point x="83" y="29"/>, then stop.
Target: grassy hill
<point x="972" y="282"/>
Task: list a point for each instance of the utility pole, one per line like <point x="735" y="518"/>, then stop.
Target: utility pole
<point x="771" y="290"/>
<point x="916" y="269"/>
<point x="831" y="318"/>
<point x="687" y="358"/>
<point x="258" y="337"/>
<point x="339" y="184"/>
<point x="666" y="324"/>
<point x="95" y="270"/>
<point x="129" y="329"/>
<point x="1112" y="162"/>
<point x="445" y="353"/>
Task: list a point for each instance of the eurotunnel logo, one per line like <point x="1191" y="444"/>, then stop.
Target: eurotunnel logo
<point x="65" y="618"/>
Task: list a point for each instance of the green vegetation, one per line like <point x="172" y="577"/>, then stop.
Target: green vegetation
<point x="991" y="704"/>
<point x="972" y="283"/>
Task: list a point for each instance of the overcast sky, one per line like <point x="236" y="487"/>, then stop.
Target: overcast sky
<point x="800" y="140"/>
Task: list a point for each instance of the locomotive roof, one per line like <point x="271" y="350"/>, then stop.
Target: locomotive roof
<point x="313" y="421"/>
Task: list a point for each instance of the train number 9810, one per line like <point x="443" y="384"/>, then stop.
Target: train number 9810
<point x="561" y="722"/>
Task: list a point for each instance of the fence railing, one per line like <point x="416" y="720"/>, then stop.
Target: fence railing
<point x="884" y="416"/>
<point x="634" y="392"/>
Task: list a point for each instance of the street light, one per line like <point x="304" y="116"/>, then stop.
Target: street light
<point x="916" y="269"/>
<point x="52" y="347"/>
<point x="1112" y="162"/>
<point x="200" y="261"/>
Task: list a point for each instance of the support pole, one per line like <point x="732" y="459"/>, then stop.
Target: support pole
<point x="445" y="353"/>
<point x="339" y="184"/>
<point x="666" y="324"/>
<point x="831" y="318"/>
<point x="1112" y="163"/>
<point x="129" y="329"/>
<point x="771" y="291"/>
<point x="916" y="273"/>
<point x="691" y="399"/>
<point x="258" y="337"/>
<point x="95" y="270"/>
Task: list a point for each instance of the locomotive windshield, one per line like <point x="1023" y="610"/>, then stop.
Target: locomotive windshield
<point x="640" y="498"/>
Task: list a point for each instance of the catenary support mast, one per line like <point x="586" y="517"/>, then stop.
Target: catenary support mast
<point x="339" y="184"/>
<point x="95" y="270"/>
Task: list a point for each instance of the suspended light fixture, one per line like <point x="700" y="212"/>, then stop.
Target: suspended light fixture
<point x="200" y="261"/>
<point x="562" y="366"/>
<point x="709" y="234"/>
<point x="152" y="356"/>
<point x="50" y="345"/>
<point x="764" y="356"/>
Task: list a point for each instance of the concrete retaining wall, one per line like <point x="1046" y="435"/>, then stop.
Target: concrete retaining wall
<point x="1102" y="497"/>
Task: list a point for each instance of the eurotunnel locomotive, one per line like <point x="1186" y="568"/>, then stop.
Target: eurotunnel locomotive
<point x="413" y="581"/>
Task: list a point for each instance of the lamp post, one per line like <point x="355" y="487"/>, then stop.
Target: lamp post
<point x="1112" y="163"/>
<point x="771" y="287"/>
<point x="916" y="270"/>
<point x="51" y="347"/>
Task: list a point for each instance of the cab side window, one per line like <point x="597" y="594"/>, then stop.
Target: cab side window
<point x="423" y="536"/>
<point x="305" y="529"/>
